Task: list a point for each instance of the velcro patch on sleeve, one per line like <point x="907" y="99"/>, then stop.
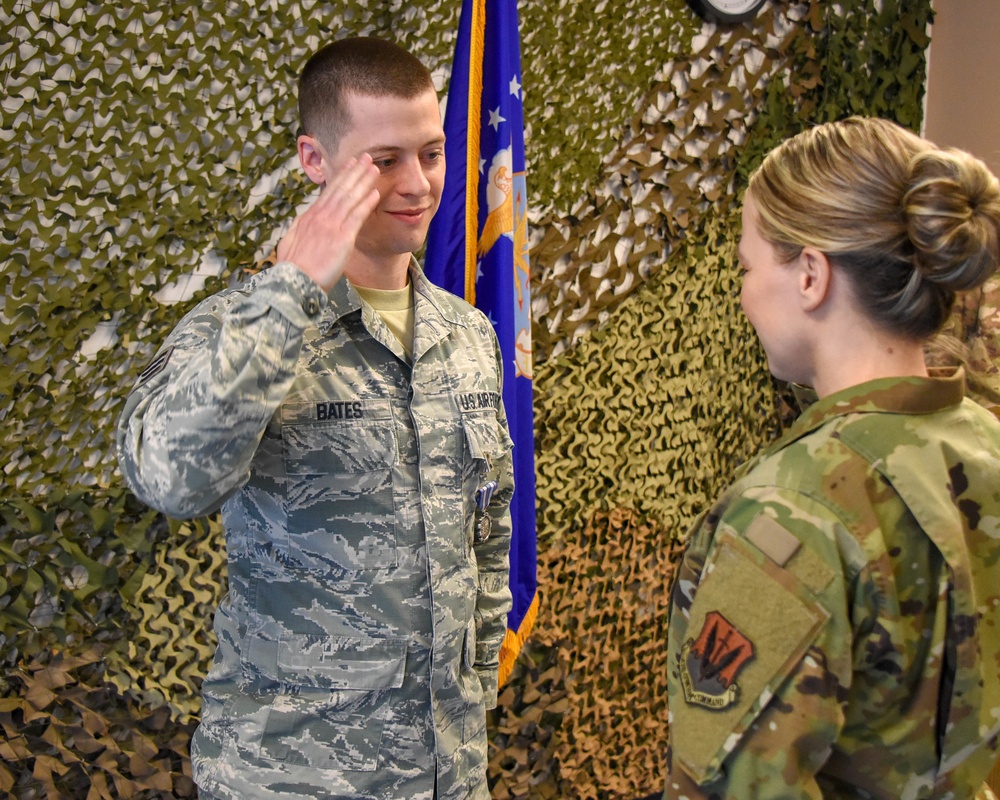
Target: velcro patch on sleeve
<point x="750" y="624"/>
<point x="771" y="539"/>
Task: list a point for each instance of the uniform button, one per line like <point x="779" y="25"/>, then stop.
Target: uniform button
<point x="312" y="307"/>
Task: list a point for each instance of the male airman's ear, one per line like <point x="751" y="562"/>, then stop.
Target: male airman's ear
<point x="312" y="157"/>
<point x="815" y="273"/>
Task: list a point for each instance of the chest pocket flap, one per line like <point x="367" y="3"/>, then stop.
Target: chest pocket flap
<point x="486" y="439"/>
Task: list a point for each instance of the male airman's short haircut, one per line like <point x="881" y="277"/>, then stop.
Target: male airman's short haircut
<point x="360" y="65"/>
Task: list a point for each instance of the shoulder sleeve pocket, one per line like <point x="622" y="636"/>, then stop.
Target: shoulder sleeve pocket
<point x="750" y="624"/>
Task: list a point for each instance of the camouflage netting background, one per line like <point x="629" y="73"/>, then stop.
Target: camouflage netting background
<point x="144" y="162"/>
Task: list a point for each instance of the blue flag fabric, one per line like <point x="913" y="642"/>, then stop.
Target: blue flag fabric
<point x="477" y="248"/>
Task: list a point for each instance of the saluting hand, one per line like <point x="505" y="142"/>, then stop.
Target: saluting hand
<point x="321" y="238"/>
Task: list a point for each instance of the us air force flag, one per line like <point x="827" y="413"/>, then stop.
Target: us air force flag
<point x="478" y="249"/>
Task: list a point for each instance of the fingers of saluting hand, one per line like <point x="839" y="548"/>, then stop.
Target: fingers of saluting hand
<point x="320" y="239"/>
<point x="350" y="197"/>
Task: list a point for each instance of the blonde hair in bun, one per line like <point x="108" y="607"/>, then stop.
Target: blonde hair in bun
<point x="910" y="224"/>
<point x="952" y="207"/>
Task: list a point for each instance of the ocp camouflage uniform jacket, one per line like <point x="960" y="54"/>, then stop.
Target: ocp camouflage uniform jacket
<point x="358" y="642"/>
<point x="835" y="623"/>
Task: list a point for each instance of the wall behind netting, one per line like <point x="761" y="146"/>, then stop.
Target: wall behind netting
<point x="144" y="164"/>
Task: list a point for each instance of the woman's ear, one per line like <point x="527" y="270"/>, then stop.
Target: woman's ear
<point x="815" y="273"/>
<point x="313" y="158"/>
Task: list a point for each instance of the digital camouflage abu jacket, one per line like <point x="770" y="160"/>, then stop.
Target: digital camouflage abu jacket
<point x="358" y="641"/>
<point x="835" y="626"/>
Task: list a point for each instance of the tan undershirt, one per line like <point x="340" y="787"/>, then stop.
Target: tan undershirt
<point x="395" y="306"/>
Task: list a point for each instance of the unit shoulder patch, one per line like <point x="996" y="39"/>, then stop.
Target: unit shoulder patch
<point x="710" y="663"/>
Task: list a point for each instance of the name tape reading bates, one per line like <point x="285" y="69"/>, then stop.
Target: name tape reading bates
<point x="339" y="410"/>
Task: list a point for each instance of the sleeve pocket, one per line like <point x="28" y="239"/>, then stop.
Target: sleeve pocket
<point x="750" y="624"/>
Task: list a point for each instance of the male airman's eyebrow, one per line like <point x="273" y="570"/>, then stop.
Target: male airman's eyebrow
<point x="395" y="148"/>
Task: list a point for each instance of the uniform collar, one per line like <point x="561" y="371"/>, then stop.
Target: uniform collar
<point x="430" y="304"/>
<point x="942" y="389"/>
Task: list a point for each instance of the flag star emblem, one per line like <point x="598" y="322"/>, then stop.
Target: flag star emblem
<point x="482" y="163"/>
<point x="496" y="119"/>
<point x="515" y="87"/>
